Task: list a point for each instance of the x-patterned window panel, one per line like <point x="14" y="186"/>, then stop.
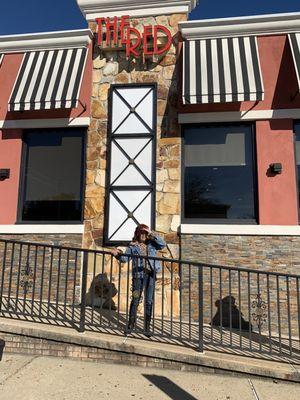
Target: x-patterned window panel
<point x="132" y="149"/>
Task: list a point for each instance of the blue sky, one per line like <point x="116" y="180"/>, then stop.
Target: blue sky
<point x="25" y="16"/>
<point x="237" y="8"/>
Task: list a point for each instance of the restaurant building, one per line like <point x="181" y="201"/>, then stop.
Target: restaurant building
<point x="188" y="126"/>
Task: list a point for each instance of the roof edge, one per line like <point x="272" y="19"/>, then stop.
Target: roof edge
<point x="45" y="40"/>
<point x="268" y="24"/>
<point x="93" y="9"/>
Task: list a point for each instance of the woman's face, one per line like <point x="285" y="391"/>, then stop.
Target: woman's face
<point x="143" y="236"/>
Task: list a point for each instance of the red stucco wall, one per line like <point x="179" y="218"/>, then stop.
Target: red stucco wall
<point x="277" y="194"/>
<point x="11" y="140"/>
<point x="10" y="157"/>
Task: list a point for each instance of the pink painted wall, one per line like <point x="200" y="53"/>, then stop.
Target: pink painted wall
<point x="10" y="157"/>
<point x="277" y="195"/>
<point x="11" y="140"/>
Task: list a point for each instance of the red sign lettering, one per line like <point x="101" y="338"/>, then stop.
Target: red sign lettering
<point x="132" y="44"/>
<point x="117" y="33"/>
<point x="165" y="48"/>
<point x="123" y="25"/>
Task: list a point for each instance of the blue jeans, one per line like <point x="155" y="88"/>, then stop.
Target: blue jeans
<point x="146" y="283"/>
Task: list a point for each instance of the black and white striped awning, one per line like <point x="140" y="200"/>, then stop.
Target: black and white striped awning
<point x="295" y="47"/>
<point x="1" y="58"/>
<point x="221" y="70"/>
<point x="48" y="79"/>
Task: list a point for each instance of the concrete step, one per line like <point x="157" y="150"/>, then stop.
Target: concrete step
<point x="48" y="340"/>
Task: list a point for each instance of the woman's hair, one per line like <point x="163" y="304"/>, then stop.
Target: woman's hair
<point x="138" y="231"/>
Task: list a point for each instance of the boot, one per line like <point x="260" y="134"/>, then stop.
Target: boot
<point x="130" y="326"/>
<point x="148" y="332"/>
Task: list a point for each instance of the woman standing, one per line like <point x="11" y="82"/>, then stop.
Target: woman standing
<point x="145" y="243"/>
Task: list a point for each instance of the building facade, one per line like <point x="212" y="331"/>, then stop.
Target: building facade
<point x="45" y="111"/>
<point x="246" y="84"/>
<point x="188" y="126"/>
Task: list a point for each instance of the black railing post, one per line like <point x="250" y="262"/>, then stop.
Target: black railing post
<point x="83" y="291"/>
<point x="3" y="273"/>
<point x="200" y="288"/>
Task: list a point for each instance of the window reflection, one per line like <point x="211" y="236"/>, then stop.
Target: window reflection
<point x="53" y="175"/>
<point x="219" y="173"/>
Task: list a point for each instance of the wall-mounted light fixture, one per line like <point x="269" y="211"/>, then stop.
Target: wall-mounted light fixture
<point x="276" y="168"/>
<point x="4" y="174"/>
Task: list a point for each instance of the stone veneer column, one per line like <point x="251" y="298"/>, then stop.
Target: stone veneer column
<point x="113" y="67"/>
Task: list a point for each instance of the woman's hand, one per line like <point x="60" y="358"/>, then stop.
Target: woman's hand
<point x="116" y="252"/>
<point x="150" y="234"/>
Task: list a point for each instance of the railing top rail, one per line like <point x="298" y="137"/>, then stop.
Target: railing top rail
<point x="163" y="259"/>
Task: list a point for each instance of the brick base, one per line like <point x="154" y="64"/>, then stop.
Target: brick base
<point x="18" y="344"/>
<point x="33" y="339"/>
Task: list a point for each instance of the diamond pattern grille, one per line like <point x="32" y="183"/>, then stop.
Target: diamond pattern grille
<point x="132" y="147"/>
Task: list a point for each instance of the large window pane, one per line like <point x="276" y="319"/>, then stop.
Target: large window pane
<point x="53" y="175"/>
<point x="219" y="172"/>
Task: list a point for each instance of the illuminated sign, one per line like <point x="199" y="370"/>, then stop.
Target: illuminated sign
<point x="119" y="34"/>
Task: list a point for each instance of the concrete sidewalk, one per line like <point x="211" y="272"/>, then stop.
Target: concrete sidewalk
<point x="49" y="378"/>
<point x="39" y="339"/>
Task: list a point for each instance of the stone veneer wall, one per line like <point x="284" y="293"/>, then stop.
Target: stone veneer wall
<point x="267" y="253"/>
<point x="280" y="254"/>
<point x="113" y="67"/>
<point x="68" y="240"/>
<point x="52" y="274"/>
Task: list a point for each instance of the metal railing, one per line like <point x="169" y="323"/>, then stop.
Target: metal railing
<point x="241" y="310"/>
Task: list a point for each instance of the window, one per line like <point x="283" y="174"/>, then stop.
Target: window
<point x="52" y="175"/>
<point x="297" y="150"/>
<point x="131" y="166"/>
<point x="219" y="174"/>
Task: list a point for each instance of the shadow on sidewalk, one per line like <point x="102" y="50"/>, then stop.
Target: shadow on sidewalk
<point x="170" y="388"/>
